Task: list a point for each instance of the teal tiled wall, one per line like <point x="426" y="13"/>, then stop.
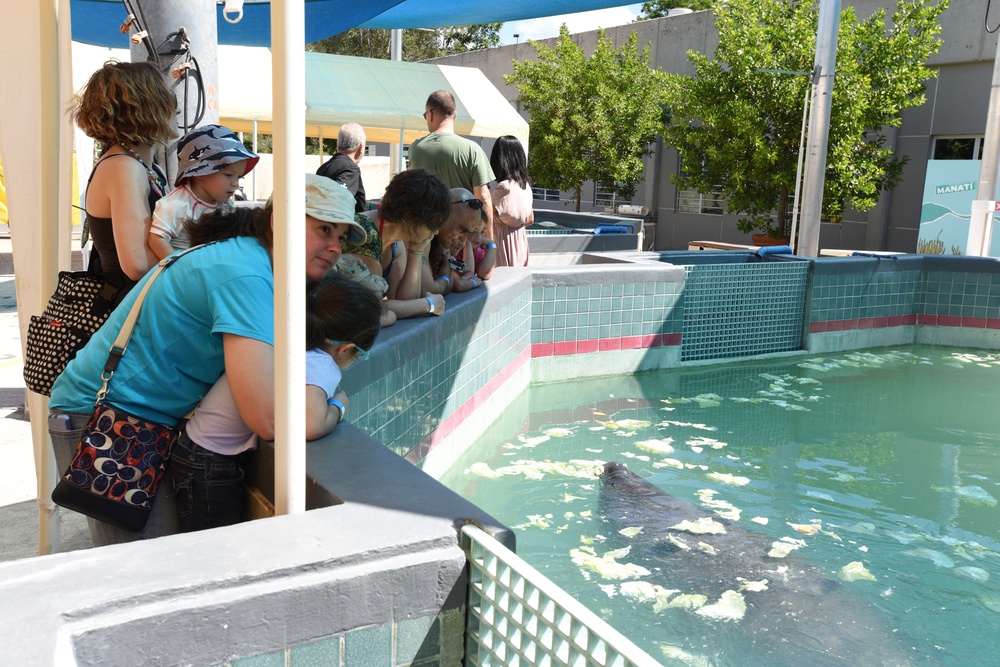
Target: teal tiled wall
<point x="424" y="383"/>
<point x="865" y="295"/>
<point x="416" y="642"/>
<point x="599" y="312"/>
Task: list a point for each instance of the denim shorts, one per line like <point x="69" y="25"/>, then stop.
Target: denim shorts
<point x="207" y="487"/>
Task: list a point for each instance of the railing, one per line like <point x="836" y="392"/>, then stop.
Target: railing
<point x="516" y="616"/>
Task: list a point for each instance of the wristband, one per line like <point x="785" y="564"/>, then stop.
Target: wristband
<point x="431" y="302"/>
<point x="339" y="406"/>
<point x="446" y="279"/>
<point x="491" y="245"/>
<point x="474" y="283"/>
<point x="415" y="252"/>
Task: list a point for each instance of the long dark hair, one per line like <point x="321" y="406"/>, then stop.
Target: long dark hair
<point x="219" y="225"/>
<point x="341" y="308"/>
<point x="508" y="160"/>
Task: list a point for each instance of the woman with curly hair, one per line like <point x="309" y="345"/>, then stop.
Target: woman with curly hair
<point x="415" y="205"/>
<point x="129" y="109"/>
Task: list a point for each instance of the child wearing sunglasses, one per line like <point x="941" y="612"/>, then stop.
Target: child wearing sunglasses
<point x="342" y="323"/>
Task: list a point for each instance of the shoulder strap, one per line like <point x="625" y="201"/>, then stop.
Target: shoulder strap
<point x="125" y="333"/>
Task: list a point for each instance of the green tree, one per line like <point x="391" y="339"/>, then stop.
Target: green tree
<point x="421" y="44"/>
<point x="591" y="118"/>
<point x="658" y="8"/>
<point x="738" y="127"/>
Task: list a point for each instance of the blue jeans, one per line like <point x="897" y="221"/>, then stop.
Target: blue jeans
<point x="207" y="487"/>
<point x="162" y="517"/>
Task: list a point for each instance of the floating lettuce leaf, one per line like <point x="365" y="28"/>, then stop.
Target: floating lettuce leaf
<point x="637" y="457"/>
<point x="727" y="478"/>
<point x="804" y="528"/>
<point x="656" y="446"/>
<point x="645" y="591"/>
<point x="730" y="607"/>
<point x="677" y="653"/>
<point x="762" y="520"/>
<point x="568" y="498"/>
<point x="631" y="531"/>
<point x="687" y="601"/>
<point x="668" y="463"/>
<point x="704" y="526"/>
<point x="976" y="496"/>
<point x="855" y="571"/>
<point x="707" y="548"/>
<point x="483" y="470"/>
<point x="753" y="586"/>
<point x="609" y="589"/>
<point x="990" y="601"/>
<point x="607" y="565"/>
<point x="634" y="424"/>
<point x="904" y="538"/>
<point x="676" y="541"/>
<point x="935" y="557"/>
<point x="708" y="400"/>
<point x="976" y="574"/>
<point x="701" y="441"/>
<point x="536" y="521"/>
<point x="558" y="432"/>
<point x="785" y="546"/>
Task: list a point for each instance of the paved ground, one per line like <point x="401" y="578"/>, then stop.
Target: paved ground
<point x="18" y="509"/>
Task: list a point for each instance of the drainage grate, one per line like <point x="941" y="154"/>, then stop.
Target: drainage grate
<point x="740" y="310"/>
<point x="517" y="617"/>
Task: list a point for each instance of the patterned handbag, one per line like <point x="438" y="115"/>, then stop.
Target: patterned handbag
<point x="121" y="458"/>
<point x="79" y="306"/>
<point x="117" y="468"/>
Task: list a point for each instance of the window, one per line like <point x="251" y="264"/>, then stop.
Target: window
<point x="958" y="148"/>
<point x="692" y="201"/>
<point x="544" y="194"/>
<point x="604" y="195"/>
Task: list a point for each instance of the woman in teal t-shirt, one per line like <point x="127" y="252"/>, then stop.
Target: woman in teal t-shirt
<point x="209" y="312"/>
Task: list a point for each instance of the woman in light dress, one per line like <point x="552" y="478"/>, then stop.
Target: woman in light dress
<point x="512" y="201"/>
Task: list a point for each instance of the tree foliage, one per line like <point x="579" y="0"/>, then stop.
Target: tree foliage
<point x="591" y="118"/>
<point x="736" y="126"/>
<point x="659" y="8"/>
<point x="421" y="44"/>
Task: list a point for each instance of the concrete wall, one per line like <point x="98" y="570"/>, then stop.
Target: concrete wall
<point x="956" y="104"/>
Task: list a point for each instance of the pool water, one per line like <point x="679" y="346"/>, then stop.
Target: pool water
<point x="881" y="463"/>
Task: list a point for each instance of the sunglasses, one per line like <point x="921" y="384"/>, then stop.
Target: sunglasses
<point x="362" y="352"/>
<point x="473" y="203"/>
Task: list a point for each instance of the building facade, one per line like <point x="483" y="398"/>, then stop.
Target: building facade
<point x="949" y="125"/>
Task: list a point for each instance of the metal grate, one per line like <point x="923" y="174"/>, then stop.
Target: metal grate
<point x="517" y="617"/>
<point x="739" y="310"/>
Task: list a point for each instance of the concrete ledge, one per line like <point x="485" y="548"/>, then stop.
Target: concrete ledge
<point x="213" y="596"/>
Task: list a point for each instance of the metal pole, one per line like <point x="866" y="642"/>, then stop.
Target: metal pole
<point x="819" y="126"/>
<point x="396" y="161"/>
<point x="798" y="167"/>
<point x="288" y="82"/>
<point x="991" y="142"/>
<point x="198" y="20"/>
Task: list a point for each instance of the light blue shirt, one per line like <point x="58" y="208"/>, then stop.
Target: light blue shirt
<point x="175" y="354"/>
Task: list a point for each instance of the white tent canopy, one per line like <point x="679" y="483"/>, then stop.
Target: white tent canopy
<point x="383" y="96"/>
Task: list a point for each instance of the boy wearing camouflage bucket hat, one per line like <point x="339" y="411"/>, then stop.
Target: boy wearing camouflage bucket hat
<point x="211" y="159"/>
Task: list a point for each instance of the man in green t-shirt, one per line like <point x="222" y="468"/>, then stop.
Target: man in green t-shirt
<point x="458" y="162"/>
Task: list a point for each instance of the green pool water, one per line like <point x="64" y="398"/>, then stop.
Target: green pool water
<point x="889" y="458"/>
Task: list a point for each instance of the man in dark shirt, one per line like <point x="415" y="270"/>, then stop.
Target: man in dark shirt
<point x="343" y="167"/>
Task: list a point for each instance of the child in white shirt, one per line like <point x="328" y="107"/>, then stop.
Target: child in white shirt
<point x="211" y="159"/>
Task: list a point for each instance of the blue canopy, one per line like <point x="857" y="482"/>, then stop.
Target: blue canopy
<point x="96" y="21"/>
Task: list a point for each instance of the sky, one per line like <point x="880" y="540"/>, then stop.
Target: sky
<point x="543" y="28"/>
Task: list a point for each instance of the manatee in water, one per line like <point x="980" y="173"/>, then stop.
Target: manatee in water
<point x="804" y="617"/>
